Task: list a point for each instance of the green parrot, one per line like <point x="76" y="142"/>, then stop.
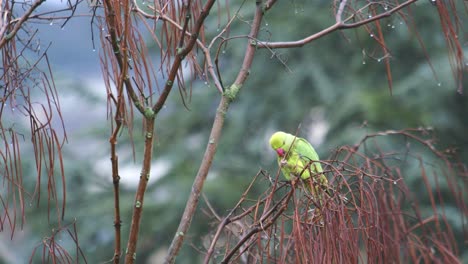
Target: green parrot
<point x="296" y="157"/>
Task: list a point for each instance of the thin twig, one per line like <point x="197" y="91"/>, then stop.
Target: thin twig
<point x="262" y="225"/>
<point x="226" y="221"/>
<point x="341" y="8"/>
<point x="206" y="50"/>
<point x="181" y="55"/>
<point x="337" y="26"/>
<point x="115" y="33"/>
<point x="18" y="24"/>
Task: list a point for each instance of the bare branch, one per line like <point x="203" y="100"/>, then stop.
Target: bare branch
<point x="337" y="26"/>
<point x="206" y="50"/>
<point x="181" y="55"/>
<point x="115" y="181"/>
<point x="215" y="135"/>
<point x="19" y="23"/>
<point x="339" y="13"/>
<point x="115" y="32"/>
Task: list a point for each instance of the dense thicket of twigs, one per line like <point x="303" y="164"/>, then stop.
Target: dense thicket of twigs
<point x="380" y="221"/>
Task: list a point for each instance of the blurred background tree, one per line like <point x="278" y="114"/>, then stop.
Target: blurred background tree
<point x="334" y="89"/>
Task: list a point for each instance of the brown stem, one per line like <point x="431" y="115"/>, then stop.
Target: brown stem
<point x="130" y="254"/>
<point x="115" y="181"/>
<point x="337" y="26"/>
<point x="114" y="32"/>
<point x="192" y="202"/>
<point x="119" y="113"/>
<point x="119" y="46"/>
<point x="18" y="24"/>
<point x="181" y="55"/>
<point x="188" y="16"/>
<point x="215" y="136"/>
<point x="341" y="8"/>
<point x="206" y="50"/>
<point x="115" y="173"/>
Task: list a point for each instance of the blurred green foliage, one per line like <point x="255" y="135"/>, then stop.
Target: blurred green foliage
<point x="332" y="76"/>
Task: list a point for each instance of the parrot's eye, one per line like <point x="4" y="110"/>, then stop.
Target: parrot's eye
<point x="280" y="152"/>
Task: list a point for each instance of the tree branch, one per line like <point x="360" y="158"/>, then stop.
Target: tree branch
<point x="197" y="187"/>
<point x="130" y="255"/>
<point x="181" y="55"/>
<point x="206" y="50"/>
<point x="115" y="181"/>
<point x="339" y="13"/>
<point x="18" y="24"/>
<point x="114" y="33"/>
<point x="337" y="26"/>
<point x="228" y="96"/>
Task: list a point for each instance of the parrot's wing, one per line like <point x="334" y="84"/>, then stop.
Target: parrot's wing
<point x="299" y="146"/>
<point x="308" y="153"/>
<point x="304" y="148"/>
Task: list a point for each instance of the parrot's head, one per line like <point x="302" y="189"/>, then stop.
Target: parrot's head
<point x="277" y="142"/>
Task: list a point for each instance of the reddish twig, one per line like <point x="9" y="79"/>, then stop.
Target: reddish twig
<point x="18" y="24"/>
<point x="265" y="222"/>
<point x="335" y="27"/>
<point x="226" y="221"/>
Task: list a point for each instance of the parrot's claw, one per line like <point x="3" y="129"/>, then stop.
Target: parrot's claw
<point x="283" y="163"/>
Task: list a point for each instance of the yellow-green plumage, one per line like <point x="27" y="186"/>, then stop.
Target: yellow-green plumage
<point x="297" y="157"/>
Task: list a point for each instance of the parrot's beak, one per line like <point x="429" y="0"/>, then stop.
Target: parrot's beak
<point x="280" y="152"/>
